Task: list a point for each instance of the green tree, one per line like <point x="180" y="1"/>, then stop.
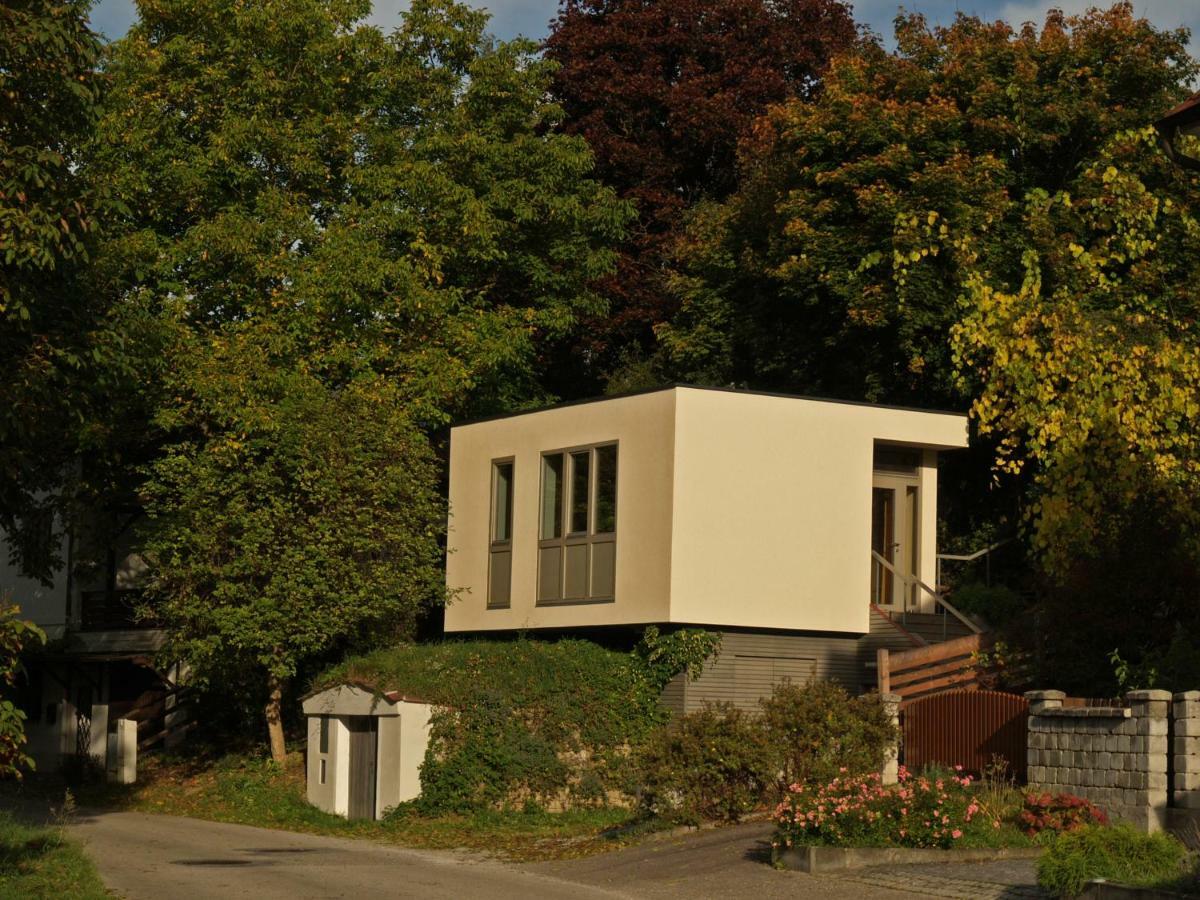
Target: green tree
<point x="15" y="636"/>
<point x="295" y="519"/>
<point x="339" y="241"/>
<point x="53" y="330"/>
<point x="400" y="203"/>
<point x="836" y="267"/>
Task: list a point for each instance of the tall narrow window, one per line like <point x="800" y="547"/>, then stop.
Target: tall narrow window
<point x="500" y="556"/>
<point x="581" y="498"/>
<point x="606" y="489"/>
<point x="324" y="741"/>
<point x="577" y="563"/>
<point x="552" y="495"/>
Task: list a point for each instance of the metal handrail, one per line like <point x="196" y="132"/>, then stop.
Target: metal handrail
<point x="938" y="596"/>
<point x="971" y="557"/>
<point x="968" y="557"/>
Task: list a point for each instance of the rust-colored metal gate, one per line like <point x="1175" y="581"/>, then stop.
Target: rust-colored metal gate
<point x="966" y="728"/>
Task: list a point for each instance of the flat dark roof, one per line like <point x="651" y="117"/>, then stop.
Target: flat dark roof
<point x="700" y="387"/>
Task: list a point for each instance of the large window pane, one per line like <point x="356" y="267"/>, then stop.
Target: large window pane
<point x="502" y="503"/>
<point x="606" y="489"/>
<point x="552" y="488"/>
<point x="580" y="482"/>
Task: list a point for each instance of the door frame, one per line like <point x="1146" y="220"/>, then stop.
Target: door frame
<point x="906" y="541"/>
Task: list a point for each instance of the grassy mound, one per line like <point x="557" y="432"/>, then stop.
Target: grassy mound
<point x="519" y="724"/>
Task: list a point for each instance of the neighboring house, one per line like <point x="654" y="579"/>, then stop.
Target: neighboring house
<point x="98" y="664"/>
<point x="803" y="530"/>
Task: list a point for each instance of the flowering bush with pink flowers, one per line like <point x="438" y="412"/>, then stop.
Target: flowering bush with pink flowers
<point x="936" y="809"/>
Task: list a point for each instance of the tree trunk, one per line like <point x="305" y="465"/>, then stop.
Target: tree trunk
<point x="274" y="710"/>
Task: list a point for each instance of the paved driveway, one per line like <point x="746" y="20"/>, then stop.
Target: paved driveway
<point x="147" y="857"/>
<point x="152" y="857"/>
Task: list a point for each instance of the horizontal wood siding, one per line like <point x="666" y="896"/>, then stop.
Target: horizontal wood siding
<point x="749" y="664"/>
<point x="672" y="697"/>
<point x="885" y="634"/>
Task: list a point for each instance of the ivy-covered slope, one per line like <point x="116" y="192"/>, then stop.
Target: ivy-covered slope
<point x="528" y="721"/>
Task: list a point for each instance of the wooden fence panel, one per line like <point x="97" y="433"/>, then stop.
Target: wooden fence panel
<point x="937" y="668"/>
<point x="968" y="728"/>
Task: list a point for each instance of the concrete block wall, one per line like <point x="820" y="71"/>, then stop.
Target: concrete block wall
<point x="1186" y="750"/>
<point x="1115" y="757"/>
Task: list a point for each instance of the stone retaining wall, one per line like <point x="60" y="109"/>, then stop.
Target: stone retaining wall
<point x="1115" y="757"/>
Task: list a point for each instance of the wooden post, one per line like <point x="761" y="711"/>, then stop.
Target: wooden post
<point x="881" y="671"/>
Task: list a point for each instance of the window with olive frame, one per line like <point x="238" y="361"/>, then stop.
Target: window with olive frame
<point x="577" y="546"/>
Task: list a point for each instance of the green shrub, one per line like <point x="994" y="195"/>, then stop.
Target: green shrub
<point x="526" y="720"/>
<point x="818" y="731"/>
<point x="1117" y="854"/>
<point x="710" y="765"/>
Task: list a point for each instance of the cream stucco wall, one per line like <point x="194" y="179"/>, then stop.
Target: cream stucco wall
<point x="642" y="425"/>
<point x="733" y="508"/>
<point x="772" y="498"/>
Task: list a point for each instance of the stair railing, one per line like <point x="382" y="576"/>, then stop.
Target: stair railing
<point x="986" y="553"/>
<point x="939" y="597"/>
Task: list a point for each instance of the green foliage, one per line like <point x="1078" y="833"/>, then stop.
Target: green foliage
<point x="54" y="332"/>
<point x="398" y="204"/>
<point x="40" y="862"/>
<point x="713" y="765"/>
<point x="15" y="636"/>
<point x="519" y="721"/>
<point x="720" y="762"/>
<point x="819" y="730"/>
<point x="1118" y="854"/>
<point x="295" y="517"/>
<point x="933" y="809"/>
<point x="1088" y="377"/>
<point x="835" y="267"/>
<point x="1088" y="366"/>
<point x="684" y="650"/>
<point x="336" y="240"/>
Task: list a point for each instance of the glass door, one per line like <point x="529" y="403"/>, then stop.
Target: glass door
<point x="895" y="533"/>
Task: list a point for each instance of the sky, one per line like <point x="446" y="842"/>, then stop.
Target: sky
<point x="531" y="17"/>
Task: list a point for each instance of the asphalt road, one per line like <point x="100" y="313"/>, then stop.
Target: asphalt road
<point x="152" y="857"/>
<point x="149" y="857"/>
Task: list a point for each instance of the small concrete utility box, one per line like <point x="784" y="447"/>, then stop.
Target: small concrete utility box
<point x="364" y="750"/>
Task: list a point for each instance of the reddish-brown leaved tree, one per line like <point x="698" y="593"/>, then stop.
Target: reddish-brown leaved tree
<point x="663" y="90"/>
